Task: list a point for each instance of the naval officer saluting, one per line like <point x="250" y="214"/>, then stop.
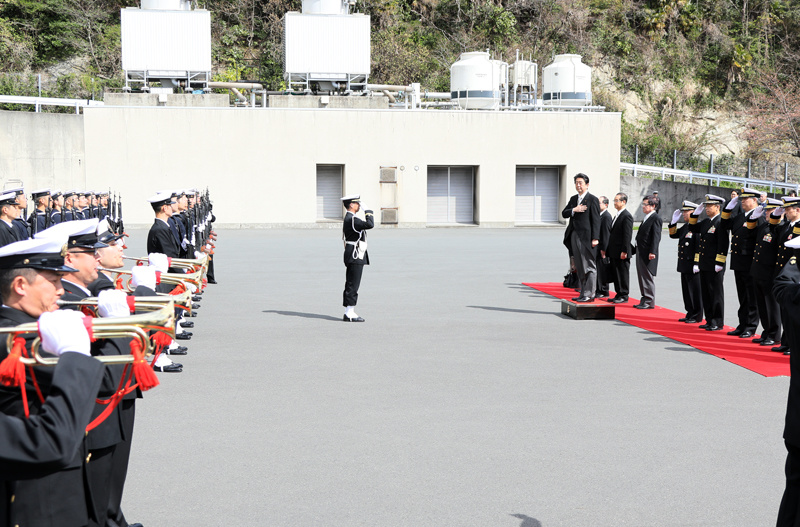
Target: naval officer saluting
<point x="355" y="253"/>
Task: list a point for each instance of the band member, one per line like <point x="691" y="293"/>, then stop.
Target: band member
<point x="355" y="253"/>
<point x="583" y="233"/>
<point x="709" y="260"/>
<point x="40" y="217"/>
<point x="648" y="238"/>
<point x="762" y="271"/>
<point x="690" y="281"/>
<point x="58" y="206"/>
<point x="743" y="242"/>
<point x="603" y="263"/>
<point x="619" y="248"/>
<point x="19" y="223"/>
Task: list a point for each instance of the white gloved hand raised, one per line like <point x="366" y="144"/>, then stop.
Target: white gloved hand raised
<point x="778" y="212"/>
<point x="113" y="303"/>
<point x="144" y="275"/>
<point x="718" y="268"/>
<point x="700" y="208"/>
<point x="732" y="203"/>
<point x="695" y="269"/>
<point x="675" y="217"/>
<point x="757" y="212"/>
<point x="63" y="331"/>
<point x="159" y="261"/>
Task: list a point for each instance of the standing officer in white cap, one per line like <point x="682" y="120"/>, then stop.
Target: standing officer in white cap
<point x="690" y="282"/>
<point x="355" y="253"/>
<point x="709" y="260"/>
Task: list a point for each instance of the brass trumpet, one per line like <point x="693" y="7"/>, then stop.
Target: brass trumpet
<point x="200" y="264"/>
<point x="145" y="303"/>
<point x="196" y="278"/>
<point x="134" y="326"/>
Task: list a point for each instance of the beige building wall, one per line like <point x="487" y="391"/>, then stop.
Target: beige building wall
<point x="260" y="164"/>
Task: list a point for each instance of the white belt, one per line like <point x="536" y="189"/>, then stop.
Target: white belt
<point x="351" y="243"/>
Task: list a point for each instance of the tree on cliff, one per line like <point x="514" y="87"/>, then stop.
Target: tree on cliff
<point x="774" y="115"/>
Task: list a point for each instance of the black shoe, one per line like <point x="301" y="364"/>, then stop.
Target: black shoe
<point x="746" y="335"/>
<point x="180" y="350"/>
<point x="170" y="368"/>
<point x="192" y="314"/>
<point x="585" y="299"/>
<point x="187" y="324"/>
<point x="135" y="525"/>
<point x="576" y="298"/>
<point x="691" y="321"/>
<point x="643" y="306"/>
<point x="195" y="306"/>
<point x="786" y="353"/>
<point x="197" y="298"/>
<point x="345" y="318"/>
<point x="767" y="342"/>
<point x="682" y="319"/>
<point x="703" y="326"/>
<point x="759" y="340"/>
<point x="600" y="295"/>
<point x="620" y="300"/>
<point x="211" y="281"/>
<point x="736" y="332"/>
<point x="183" y="336"/>
<point x="714" y="328"/>
<point x="780" y="349"/>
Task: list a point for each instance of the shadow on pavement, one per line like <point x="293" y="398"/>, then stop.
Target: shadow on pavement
<point x="509" y="310"/>
<point x="527" y="521"/>
<point x="302" y="315"/>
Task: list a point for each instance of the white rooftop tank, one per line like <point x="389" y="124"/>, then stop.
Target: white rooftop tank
<point x="167" y="5"/>
<point x="567" y="82"/>
<point x="475" y="81"/>
<point x="325" y="7"/>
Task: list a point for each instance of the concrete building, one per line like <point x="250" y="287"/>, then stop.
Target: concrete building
<point x="289" y="166"/>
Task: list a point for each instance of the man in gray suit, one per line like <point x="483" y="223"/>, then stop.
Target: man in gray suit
<point x="583" y="233"/>
<point x="648" y="237"/>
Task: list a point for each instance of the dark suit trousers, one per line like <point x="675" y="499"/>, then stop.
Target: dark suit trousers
<point x="621" y="274"/>
<point x="603" y="276"/>
<point x="713" y="293"/>
<point x="789" y="513"/>
<point x="647" y="283"/>
<point x="748" y="306"/>
<point x="351" y="284"/>
<point x="768" y="309"/>
<point x="692" y="297"/>
<point x="585" y="265"/>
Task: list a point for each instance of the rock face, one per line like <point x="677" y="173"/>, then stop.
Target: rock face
<point x="718" y="131"/>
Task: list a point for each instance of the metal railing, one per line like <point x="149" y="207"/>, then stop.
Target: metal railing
<point x="38" y="102"/>
<point x="689" y="176"/>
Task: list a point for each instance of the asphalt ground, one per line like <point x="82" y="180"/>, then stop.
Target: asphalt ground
<point x="464" y="399"/>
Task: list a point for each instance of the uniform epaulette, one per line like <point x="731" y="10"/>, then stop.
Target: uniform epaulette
<point x="726" y="215"/>
<point x="773" y="220"/>
<point x="673" y="229"/>
<point x="796" y="229"/>
<point x="721" y="258"/>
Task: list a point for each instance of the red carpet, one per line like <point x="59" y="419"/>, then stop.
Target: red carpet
<point x="665" y="322"/>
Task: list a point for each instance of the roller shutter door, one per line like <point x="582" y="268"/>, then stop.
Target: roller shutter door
<point x="537" y="195"/>
<point x="329" y="192"/>
<point x="451" y="195"/>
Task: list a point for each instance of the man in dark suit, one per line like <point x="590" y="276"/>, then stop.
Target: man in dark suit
<point x="690" y="282"/>
<point x="648" y="238"/>
<point x="743" y="242"/>
<point x="603" y="263"/>
<point x="619" y="248"/>
<point x="762" y="271"/>
<point x="709" y="260"/>
<point x="787" y="293"/>
<point x="583" y="231"/>
<point x="8" y="213"/>
<point x="354" y="232"/>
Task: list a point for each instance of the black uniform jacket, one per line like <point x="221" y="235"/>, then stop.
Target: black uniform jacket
<point x="686" y="246"/>
<point x="47" y="442"/>
<point x="743" y="238"/>
<point x="353" y="230"/>
<point x="586" y="224"/>
<point x="785" y="233"/>
<point x="22" y="228"/>
<point x="712" y="242"/>
<point x="787" y="293"/>
<point x="619" y="239"/>
<point x="765" y="252"/>
<point x="7" y="234"/>
<point x="55" y="217"/>
<point x="605" y="230"/>
<point x="648" y="238"/>
<point x="161" y="240"/>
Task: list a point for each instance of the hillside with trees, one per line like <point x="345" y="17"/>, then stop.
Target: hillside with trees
<point x="680" y="70"/>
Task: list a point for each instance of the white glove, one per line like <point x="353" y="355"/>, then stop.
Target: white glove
<point x="700" y="208"/>
<point x="198" y="255"/>
<point x="192" y="288"/>
<point x="732" y="203"/>
<point x="718" y="268"/>
<point x="696" y="269"/>
<point x="62" y="331"/>
<point x="159" y="261"/>
<point x="778" y="212"/>
<point x="144" y="275"/>
<point x="113" y="303"/>
<point x="675" y="217"/>
<point x="793" y="243"/>
<point x="757" y="212"/>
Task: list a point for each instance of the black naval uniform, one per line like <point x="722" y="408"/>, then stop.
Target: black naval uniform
<point x="22" y="228"/>
<point x="742" y="245"/>
<point x="762" y="271"/>
<point x="38" y="221"/>
<point x="46" y="442"/>
<point x="8" y="234"/>
<point x="712" y="250"/>
<point x="55" y="217"/>
<point x="353" y="230"/>
<point x="54" y="499"/>
<point x="787" y="292"/>
<point x="161" y="240"/>
<point x="690" y="281"/>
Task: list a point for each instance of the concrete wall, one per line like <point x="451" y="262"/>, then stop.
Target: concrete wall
<point x="327" y="101"/>
<point x="267" y="158"/>
<point x="204" y="100"/>
<point x="41" y="150"/>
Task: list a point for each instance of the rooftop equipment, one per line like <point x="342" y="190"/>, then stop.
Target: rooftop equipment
<point x="166" y="41"/>
<point x="567" y="82"/>
<point x="475" y="81"/>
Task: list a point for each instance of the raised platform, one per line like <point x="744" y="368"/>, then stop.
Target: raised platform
<point x="588" y="311"/>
